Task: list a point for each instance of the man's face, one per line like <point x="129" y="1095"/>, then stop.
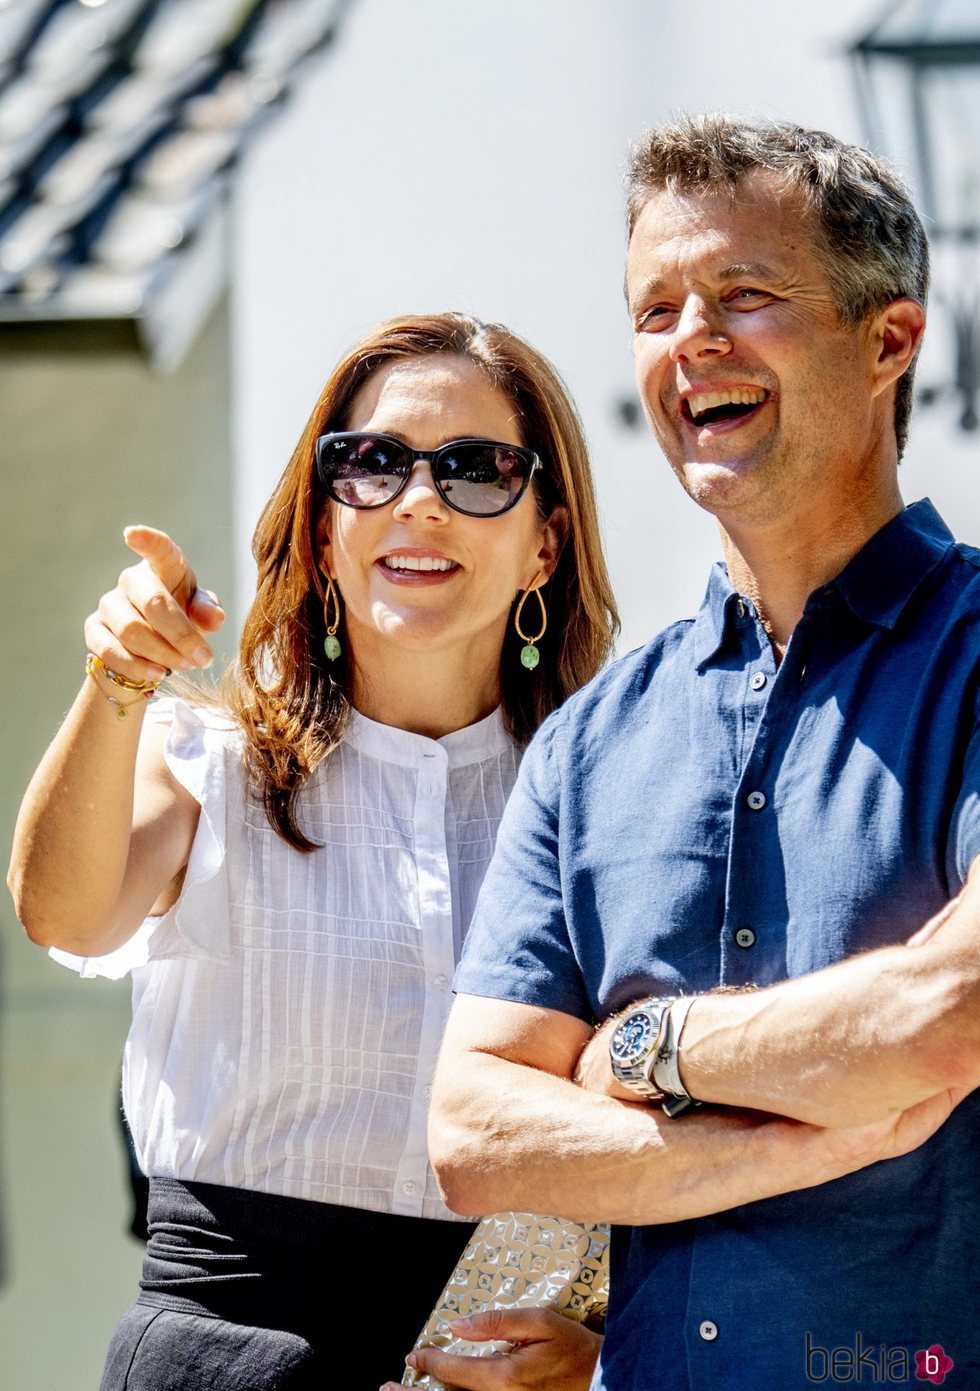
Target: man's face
<point x="760" y="398"/>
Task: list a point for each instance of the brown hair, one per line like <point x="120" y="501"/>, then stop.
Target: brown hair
<point x="292" y="704"/>
<point x="869" y="237"/>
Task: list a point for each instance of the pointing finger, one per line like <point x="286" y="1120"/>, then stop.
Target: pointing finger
<point x="165" y="559"/>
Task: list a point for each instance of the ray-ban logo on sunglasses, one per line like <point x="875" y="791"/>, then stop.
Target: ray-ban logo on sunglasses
<point x="884" y="1365"/>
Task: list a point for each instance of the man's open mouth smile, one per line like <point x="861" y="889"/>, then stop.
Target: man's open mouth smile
<point x="723" y="407"/>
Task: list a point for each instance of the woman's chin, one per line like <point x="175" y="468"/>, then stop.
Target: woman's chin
<point x="437" y="635"/>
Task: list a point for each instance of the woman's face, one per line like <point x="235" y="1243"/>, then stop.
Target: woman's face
<point x="460" y="609"/>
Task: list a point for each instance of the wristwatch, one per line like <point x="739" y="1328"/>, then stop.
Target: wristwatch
<point x="643" y="1052"/>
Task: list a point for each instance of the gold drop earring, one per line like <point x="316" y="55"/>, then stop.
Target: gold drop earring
<point x="331" y="643"/>
<point x="530" y="656"/>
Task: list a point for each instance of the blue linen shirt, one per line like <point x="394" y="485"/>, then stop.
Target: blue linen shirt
<point x="698" y="816"/>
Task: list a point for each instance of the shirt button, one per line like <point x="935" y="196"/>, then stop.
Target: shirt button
<point x="708" y="1330"/>
<point x="759" y="679"/>
<point x="756" y="801"/>
<point x="740" y="608"/>
<point x="441" y="982"/>
<point x="410" y="1189"/>
<point x="745" y="937"/>
<point x="427" y="1091"/>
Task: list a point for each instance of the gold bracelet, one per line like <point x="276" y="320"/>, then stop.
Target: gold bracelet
<point x="146" y="690"/>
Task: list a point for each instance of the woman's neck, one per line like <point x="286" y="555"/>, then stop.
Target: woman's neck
<point x="425" y="692"/>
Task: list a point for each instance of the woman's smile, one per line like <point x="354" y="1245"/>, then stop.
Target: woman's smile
<point x="414" y="566"/>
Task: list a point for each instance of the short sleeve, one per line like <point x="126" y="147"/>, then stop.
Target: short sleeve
<point x="200" y="748"/>
<point x="964" y="842"/>
<point x="518" y="946"/>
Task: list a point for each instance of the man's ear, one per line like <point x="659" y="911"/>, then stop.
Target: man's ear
<point x="554" y="534"/>
<point x="897" y="333"/>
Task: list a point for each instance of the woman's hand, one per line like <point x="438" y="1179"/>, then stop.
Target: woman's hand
<point x="154" y="620"/>
<point x="549" y="1353"/>
<point x="105" y="829"/>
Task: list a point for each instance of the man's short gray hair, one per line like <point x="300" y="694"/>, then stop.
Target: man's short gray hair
<point x="869" y="237"/>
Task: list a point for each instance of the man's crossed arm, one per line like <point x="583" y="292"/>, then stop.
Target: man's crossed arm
<point x="813" y="1078"/>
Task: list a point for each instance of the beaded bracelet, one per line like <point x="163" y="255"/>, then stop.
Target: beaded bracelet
<point x="146" y="690"/>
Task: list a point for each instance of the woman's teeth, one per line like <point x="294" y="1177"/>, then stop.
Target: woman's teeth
<point x="418" y="562"/>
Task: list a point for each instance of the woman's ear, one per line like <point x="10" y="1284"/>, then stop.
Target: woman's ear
<point x="321" y="541"/>
<point x="554" y="534"/>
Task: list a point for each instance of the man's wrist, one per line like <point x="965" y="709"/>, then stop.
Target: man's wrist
<point x="665" y="1069"/>
<point x="643" y="1051"/>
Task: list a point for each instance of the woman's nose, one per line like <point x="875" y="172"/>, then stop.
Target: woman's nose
<point x="420" y="497"/>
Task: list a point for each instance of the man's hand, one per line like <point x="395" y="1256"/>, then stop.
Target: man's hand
<point x="859" y="1146"/>
<point x="549" y="1353"/>
<point x="593" y="1071"/>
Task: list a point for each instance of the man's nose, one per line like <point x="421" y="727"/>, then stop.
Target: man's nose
<point x="420" y="497"/>
<point x="698" y="332"/>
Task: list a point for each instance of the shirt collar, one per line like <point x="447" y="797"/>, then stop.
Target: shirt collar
<point x="876" y="585"/>
<point x="474" y="744"/>
<point x="884" y="575"/>
<point x="721" y="609"/>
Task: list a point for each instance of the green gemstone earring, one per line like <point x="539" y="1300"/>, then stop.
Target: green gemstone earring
<point x="331" y="643"/>
<point x="530" y="656"/>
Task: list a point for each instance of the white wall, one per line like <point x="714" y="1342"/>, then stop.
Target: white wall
<point x="451" y="154"/>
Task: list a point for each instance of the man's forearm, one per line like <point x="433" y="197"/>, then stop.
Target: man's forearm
<point x="504" y="1136"/>
<point x="854" y="1043"/>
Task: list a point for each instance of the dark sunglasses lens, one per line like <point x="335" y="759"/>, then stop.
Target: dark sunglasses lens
<point x="482" y="479"/>
<point x="365" y="472"/>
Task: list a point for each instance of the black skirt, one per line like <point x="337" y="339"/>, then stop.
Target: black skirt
<point x="248" y="1292"/>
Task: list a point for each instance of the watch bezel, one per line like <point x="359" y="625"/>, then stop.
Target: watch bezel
<point x="634" y="1069"/>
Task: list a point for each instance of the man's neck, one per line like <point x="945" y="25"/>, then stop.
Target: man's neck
<point x="780" y="565"/>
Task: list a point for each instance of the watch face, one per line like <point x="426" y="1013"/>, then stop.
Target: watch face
<point x="634" y="1037"/>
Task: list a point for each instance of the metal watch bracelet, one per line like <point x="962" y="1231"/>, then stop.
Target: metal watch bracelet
<point x="665" y="1071"/>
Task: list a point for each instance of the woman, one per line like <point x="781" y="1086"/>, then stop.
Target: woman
<point x="288" y="870"/>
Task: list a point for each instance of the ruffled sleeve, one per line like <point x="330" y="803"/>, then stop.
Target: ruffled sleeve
<point x="203" y="752"/>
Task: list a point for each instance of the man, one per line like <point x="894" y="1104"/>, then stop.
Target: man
<point x="780" y="798"/>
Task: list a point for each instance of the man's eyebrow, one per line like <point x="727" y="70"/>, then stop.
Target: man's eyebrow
<point x="649" y="287"/>
<point x="750" y="270"/>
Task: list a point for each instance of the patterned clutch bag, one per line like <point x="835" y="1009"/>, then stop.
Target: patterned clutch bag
<point x="517" y="1260"/>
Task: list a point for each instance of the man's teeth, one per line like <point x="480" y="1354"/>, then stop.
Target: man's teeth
<point x="710" y="400"/>
<point x="418" y="562"/>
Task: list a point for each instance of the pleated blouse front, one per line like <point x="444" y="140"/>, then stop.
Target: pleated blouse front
<point x="287" y="1011"/>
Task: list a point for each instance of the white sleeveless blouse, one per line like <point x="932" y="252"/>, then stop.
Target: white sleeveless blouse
<point x="287" y="1011"/>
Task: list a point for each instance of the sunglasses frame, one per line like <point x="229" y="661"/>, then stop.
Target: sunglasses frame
<point x="428" y="456"/>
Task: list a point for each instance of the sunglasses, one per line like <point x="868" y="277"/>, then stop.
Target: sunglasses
<point x="479" y="478"/>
